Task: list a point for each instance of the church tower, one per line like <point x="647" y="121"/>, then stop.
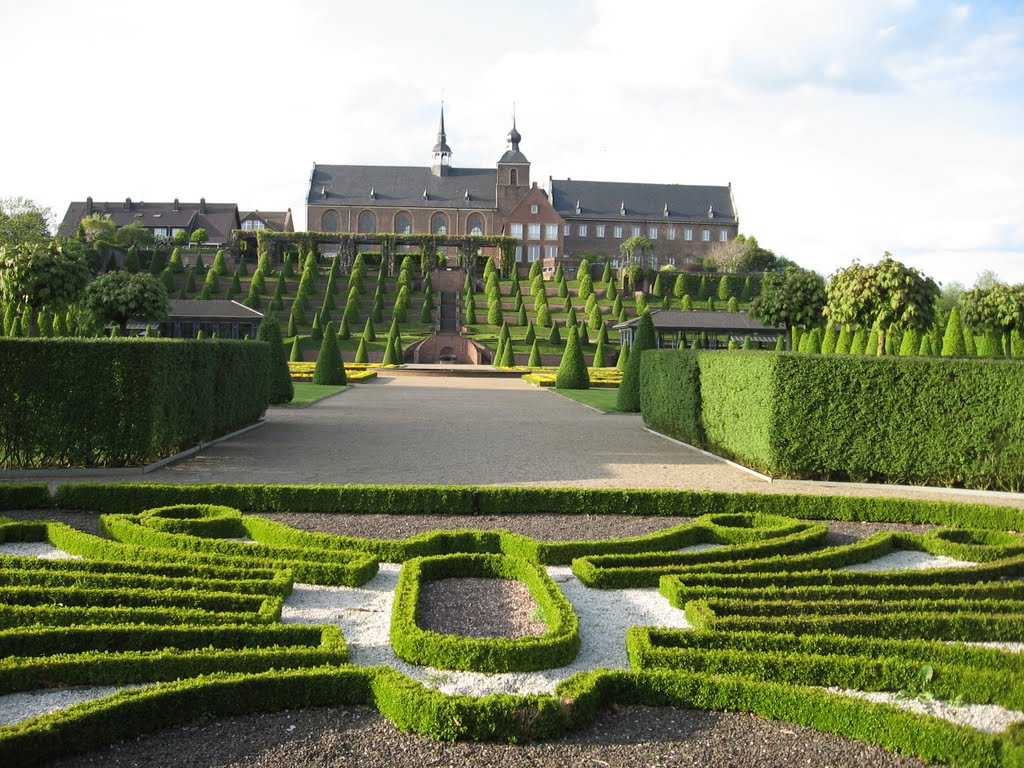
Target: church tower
<point x="513" y="174"/>
<point x="441" y="162"/>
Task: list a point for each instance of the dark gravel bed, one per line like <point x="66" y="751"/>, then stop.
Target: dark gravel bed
<point x="477" y="607"/>
<point x="83" y="521"/>
<point x="621" y="737"/>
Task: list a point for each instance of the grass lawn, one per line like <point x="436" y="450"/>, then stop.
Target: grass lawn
<point x="602" y="399"/>
<point x="306" y="393"/>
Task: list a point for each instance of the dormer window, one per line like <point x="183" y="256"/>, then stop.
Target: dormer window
<point x="711" y="211"/>
<point x="373" y="193"/>
<point x="665" y="211"/>
<point x="622" y="208"/>
<point x="579" y="209"/>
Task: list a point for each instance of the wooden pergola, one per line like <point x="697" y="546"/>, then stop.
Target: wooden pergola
<point x="675" y="329"/>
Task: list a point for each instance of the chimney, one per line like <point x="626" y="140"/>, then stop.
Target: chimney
<point x="202" y="205"/>
<point x="177" y="205"/>
<point x="127" y="203"/>
<point x="88" y="206"/>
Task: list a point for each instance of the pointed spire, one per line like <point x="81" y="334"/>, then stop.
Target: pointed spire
<point x="442" y="152"/>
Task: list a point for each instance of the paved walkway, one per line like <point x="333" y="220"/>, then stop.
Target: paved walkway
<point x="413" y="430"/>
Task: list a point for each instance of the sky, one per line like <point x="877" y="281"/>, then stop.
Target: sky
<point x="847" y="129"/>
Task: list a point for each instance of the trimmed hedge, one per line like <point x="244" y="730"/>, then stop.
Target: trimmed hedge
<point x="555" y="648"/>
<point x="918" y="420"/>
<point x="123" y="402"/>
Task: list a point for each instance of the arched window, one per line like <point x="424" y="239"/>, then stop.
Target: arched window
<point x="513" y="177"/>
<point x="367" y="222"/>
<point x="475" y="225"/>
<point x="329" y="221"/>
<point x="439" y="224"/>
<point x="403" y="224"/>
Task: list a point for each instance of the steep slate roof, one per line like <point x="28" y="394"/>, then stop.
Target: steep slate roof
<point x="603" y="199"/>
<point x="700" y="320"/>
<point x="218" y="221"/>
<point x="212" y="309"/>
<point x="401" y="186"/>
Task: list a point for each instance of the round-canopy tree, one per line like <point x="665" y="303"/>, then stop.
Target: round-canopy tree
<point x="794" y="299"/>
<point x="998" y="309"/>
<point x="37" y="275"/>
<point x="118" y="297"/>
<point x="888" y="294"/>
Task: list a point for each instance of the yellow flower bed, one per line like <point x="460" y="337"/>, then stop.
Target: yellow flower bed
<point x="599" y="377"/>
<point x="354" y="372"/>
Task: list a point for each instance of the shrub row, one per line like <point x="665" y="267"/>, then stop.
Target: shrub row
<point x="555" y="648"/>
<point x="877" y="419"/>
<point x="411" y="706"/>
<point x="469" y="500"/>
<point x="123" y="402"/>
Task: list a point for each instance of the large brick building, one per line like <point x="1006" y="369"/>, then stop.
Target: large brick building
<point x="683" y="222"/>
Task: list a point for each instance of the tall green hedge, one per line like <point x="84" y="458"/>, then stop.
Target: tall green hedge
<point x="914" y="420"/>
<point x="123" y="402"/>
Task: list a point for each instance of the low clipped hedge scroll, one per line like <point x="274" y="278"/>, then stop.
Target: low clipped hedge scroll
<point x="195" y="618"/>
<point x="124" y="402"/>
<point x="931" y="421"/>
<point x="555" y="648"/>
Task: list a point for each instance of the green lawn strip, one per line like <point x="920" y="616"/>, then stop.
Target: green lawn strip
<point x="603" y="399"/>
<point x="307" y="393"/>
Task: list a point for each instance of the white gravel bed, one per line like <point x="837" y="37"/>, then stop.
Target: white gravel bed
<point x="1008" y="647"/>
<point x="241" y="541"/>
<point x="364" y="616"/>
<point x="15" y="707"/>
<point x="41" y="549"/>
<point x="983" y="717"/>
<point x="908" y="560"/>
<point x="701" y="547"/>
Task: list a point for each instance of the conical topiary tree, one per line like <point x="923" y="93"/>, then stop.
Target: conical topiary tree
<point x="583" y="335"/>
<point x="844" y="341"/>
<point x="531" y="333"/>
<point x="599" y="355"/>
<point x="657" y="289"/>
<point x="534" y="361"/>
<point x="711" y="304"/>
<point x="702" y="289"/>
<point x="563" y="288"/>
<point x="296" y="355"/>
<point x="572" y="371"/>
<point x="606" y="275"/>
<point x="748" y="291"/>
<point x="554" y="337"/>
<point x="685" y="304"/>
<point x="641" y="304"/>
<point x="612" y="293"/>
<point x="281" y="388"/>
<point x="733" y="305"/>
<point x="780" y="344"/>
<point x="586" y="286"/>
<point x="629" y="390"/>
<point x="596" y="320"/>
<point x="426" y="315"/>
<point x="361" y="354"/>
<point x="469" y="316"/>
<point x="570" y="316"/>
<point x="508" y="356"/>
<point x="494" y="313"/>
<point x="911" y="343"/>
<point x="344" y="330"/>
<point x="829" y="340"/>
<point x="860" y="340"/>
<point x="317" y="331"/>
<point x="543" y="315"/>
<point x="329" y="369"/>
<point x="369" y="332"/>
<point x="725" y="288"/>
<point x="176" y="265"/>
<point x="521" y="319"/>
<point x="535" y="270"/>
<point x="517" y="303"/>
<point x="925" y="350"/>
<point x="953" y="340"/>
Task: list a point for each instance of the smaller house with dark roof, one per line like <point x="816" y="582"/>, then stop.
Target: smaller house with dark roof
<point x="165" y="220"/>
<point x="676" y="329"/>
<point x="224" y="317"/>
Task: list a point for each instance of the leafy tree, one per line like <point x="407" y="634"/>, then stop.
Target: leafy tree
<point x="629" y="390"/>
<point x="793" y="300"/>
<point x="888" y="294"/>
<point x="953" y="344"/>
<point x="281" y="388"/>
<point x="572" y="371"/>
<point x="198" y="236"/>
<point x="23" y="222"/>
<point x="37" y="275"/>
<point x="118" y="297"/>
<point x="329" y="368"/>
<point x="998" y="309"/>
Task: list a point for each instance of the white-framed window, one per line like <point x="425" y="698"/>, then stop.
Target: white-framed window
<point x="615" y="263"/>
<point x="533" y="231"/>
<point x="652" y="233"/>
<point x="534" y="208"/>
<point x="567" y="230"/>
<point x="533" y="252"/>
<point x="176" y="230"/>
<point x="636" y="231"/>
<point x="687" y="234"/>
<point x="671" y="233"/>
<point x="671" y="261"/>
<point x="705" y="235"/>
<point x="439" y="224"/>
<point x="160" y="233"/>
<point x="723" y="235"/>
<point x="550" y="231"/>
<point x="582" y="228"/>
<point x="403" y="223"/>
<point x="550" y="251"/>
<point x="599" y="230"/>
<point x="519" y="252"/>
<point x="475" y="224"/>
<point x="654" y="261"/>
<point x="617" y="231"/>
<point x="516" y="231"/>
<point x="250" y="225"/>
